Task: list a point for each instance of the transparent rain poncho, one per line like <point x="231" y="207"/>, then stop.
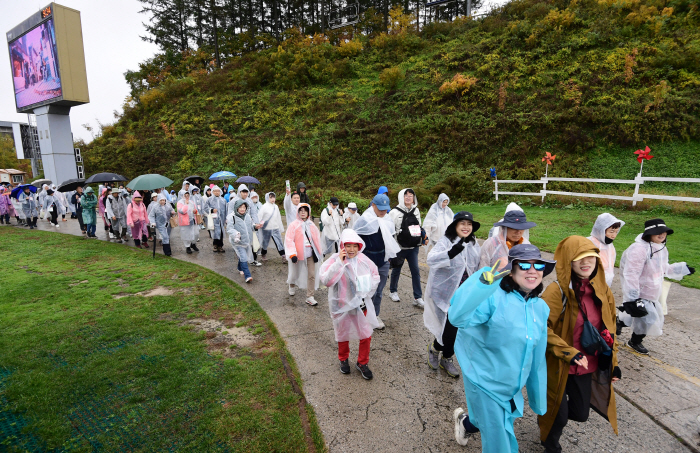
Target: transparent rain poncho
<point x="495" y="247"/>
<point x="643" y="267"/>
<point x="608" y="254"/>
<point x="240" y="231"/>
<point x="350" y="283"/>
<point x="332" y="227"/>
<point x="369" y="223"/>
<point x="159" y="215"/>
<point x="437" y="220"/>
<point x="443" y="280"/>
<point x="302" y="237"/>
<point x="218" y="217"/>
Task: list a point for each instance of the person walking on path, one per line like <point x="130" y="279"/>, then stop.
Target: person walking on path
<point x="351" y="279"/>
<point x="137" y="219"/>
<point x="88" y="203"/>
<point x="643" y="267"/>
<point x="61" y="197"/>
<point x="185" y="189"/>
<point x="377" y="232"/>
<point x="332" y="226"/>
<point x="303" y="196"/>
<point x="604" y="232"/>
<point x="438" y="218"/>
<point x="187" y="212"/>
<point x="216" y="211"/>
<point x="240" y="235"/>
<point x="21" y="218"/>
<point x="115" y="208"/>
<point x="272" y="227"/>
<point x="455" y="255"/>
<point x="410" y="236"/>
<point x="29" y="206"/>
<point x="52" y="207"/>
<point x="159" y="214"/>
<point x="351" y="216"/>
<point x="291" y="205"/>
<point x="4" y="206"/>
<point x="75" y="200"/>
<point x="581" y="352"/>
<point x="302" y="244"/>
<point x="501" y="346"/>
<point x="198" y="201"/>
<point x="511" y="231"/>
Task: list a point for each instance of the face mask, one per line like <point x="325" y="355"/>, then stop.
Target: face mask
<point x="608" y="240"/>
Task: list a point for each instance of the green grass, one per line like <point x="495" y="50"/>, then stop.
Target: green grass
<point x="554" y="224"/>
<point x="83" y="371"/>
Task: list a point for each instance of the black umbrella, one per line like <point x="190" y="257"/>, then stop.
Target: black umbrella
<point x="247" y="180"/>
<point x="104" y="177"/>
<point x="193" y="177"/>
<point x="71" y="184"/>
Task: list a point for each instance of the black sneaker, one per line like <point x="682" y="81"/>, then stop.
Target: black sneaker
<point x="639" y="347"/>
<point x="188" y="250"/>
<point x="618" y="327"/>
<point x="344" y="367"/>
<point x="364" y="370"/>
<point x="194" y="247"/>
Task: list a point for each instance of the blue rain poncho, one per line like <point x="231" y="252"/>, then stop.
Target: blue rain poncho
<point x="159" y="216"/>
<point x="500" y="346"/>
<point x="443" y="280"/>
<point x="218" y="203"/>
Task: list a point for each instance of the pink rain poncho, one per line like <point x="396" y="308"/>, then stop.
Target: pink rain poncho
<point x="643" y="267"/>
<point x="350" y="281"/>
<point x="137" y="218"/>
<point x="608" y="254"/>
<point x="302" y="237"/>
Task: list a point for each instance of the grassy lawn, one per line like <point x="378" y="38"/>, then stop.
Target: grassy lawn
<point x="88" y="365"/>
<point x="554" y="224"/>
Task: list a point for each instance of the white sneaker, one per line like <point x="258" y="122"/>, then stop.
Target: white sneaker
<point x="394" y="297"/>
<point x="419" y="302"/>
<point x="57" y="226"/>
<point x="311" y="301"/>
<point x="461" y="434"/>
<point x="292" y="290"/>
<point x="249" y="279"/>
<point x="257" y="263"/>
<point x="381" y="325"/>
<point x="111" y="236"/>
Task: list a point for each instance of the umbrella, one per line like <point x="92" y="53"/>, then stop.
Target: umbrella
<point x="71" y="184"/>
<point x="104" y="177"/>
<point x="192" y="178"/>
<point x="15" y="192"/>
<point x="149" y="182"/>
<point x="4" y="183"/>
<point x="219" y="175"/>
<point x="41" y="182"/>
<point x="247" y="180"/>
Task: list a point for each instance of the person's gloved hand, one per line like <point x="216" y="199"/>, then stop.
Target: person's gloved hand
<point x="691" y="270"/>
<point x="295" y="259"/>
<point x="616" y="374"/>
<point x="491" y="276"/>
<point x="456" y="249"/>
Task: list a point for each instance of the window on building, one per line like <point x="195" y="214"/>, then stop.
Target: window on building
<point x="17" y="179"/>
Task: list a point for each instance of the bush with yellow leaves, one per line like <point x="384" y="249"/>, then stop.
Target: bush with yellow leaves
<point x="391" y="77"/>
<point x="459" y="85"/>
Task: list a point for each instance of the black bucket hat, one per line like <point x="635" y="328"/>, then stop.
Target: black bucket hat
<point x="527" y="252"/>
<point x="656" y="226"/>
<point x="515" y="220"/>
<point x="461" y="215"/>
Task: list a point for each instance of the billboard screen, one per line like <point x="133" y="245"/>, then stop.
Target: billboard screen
<point x="34" y="64"/>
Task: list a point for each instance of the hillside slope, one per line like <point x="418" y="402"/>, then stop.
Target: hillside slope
<point x="590" y="81"/>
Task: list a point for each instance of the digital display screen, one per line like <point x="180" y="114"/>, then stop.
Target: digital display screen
<point x="35" y="70"/>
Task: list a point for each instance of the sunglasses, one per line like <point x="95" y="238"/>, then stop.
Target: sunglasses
<point x="527" y="266"/>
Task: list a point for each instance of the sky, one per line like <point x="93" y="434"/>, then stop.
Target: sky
<point x="111" y="30"/>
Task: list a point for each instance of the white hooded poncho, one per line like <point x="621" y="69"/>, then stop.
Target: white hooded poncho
<point x="332" y="227"/>
<point x="438" y="219"/>
<point x="608" y="254"/>
<point x="270" y="215"/>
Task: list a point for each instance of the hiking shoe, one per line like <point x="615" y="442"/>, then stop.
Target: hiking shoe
<point x="433" y="357"/>
<point x="188" y="250"/>
<point x="344" y="367"/>
<point x="57" y="226"/>
<point x="263" y="257"/>
<point x="639" y="347"/>
<point x="292" y="290"/>
<point x="249" y="279"/>
<point x="463" y="427"/>
<point x="365" y="371"/>
<point x="311" y="301"/>
<point x="449" y="367"/>
<point x="194" y="247"/>
<point x="257" y="263"/>
<point x="394" y="297"/>
<point x="419" y="302"/>
<point x="381" y="325"/>
<point x="619" y="326"/>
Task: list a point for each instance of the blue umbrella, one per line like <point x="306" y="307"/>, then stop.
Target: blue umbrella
<point x="219" y="175"/>
<point x="15" y="192"/>
<point x="247" y="180"/>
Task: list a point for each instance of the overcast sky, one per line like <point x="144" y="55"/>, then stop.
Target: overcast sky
<point x="111" y="30"/>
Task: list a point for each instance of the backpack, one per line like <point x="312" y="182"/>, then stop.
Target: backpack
<point x="409" y="235"/>
<point x="320" y="222"/>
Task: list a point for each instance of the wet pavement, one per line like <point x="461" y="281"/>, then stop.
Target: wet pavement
<point x="408" y="407"/>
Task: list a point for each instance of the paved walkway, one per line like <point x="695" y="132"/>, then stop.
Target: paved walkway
<point x="408" y="407"/>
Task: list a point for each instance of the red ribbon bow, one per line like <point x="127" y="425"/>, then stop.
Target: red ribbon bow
<point x="643" y="154"/>
<point x="549" y="158"/>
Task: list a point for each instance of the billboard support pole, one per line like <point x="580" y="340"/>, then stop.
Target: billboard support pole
<point x="56" y="143"/>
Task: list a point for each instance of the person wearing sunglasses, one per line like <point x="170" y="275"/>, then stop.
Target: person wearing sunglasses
<point x="580" y="372"/>
<point x="500" y="346"/>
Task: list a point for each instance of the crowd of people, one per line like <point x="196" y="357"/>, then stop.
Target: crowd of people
<point x="483" y="303"/>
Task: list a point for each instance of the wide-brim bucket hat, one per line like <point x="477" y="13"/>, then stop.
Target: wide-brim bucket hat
<point x="515" y="220"/>
<point x="656" y="226"/>
<point x="527" y="252"/>
<point x="461" y="215"/>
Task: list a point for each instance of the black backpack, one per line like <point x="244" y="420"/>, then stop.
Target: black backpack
<point x="404" y="236"/>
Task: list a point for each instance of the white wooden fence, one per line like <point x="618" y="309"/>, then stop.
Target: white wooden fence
<point x="638" y="181"/>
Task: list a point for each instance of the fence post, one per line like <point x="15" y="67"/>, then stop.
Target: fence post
<point x="544" y="187"/>
<point x="495" y="181"/>
<point x="636" y="189"/>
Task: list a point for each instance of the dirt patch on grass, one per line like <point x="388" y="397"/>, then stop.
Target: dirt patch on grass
<point x="220" y="336"/>
<point x="158" y="291"/>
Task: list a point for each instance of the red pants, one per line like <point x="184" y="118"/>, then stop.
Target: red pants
<point x="362" y="354"/>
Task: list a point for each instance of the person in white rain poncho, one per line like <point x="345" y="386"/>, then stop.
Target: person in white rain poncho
<point x="331" y="219"/>
<point x="52" y="207"/>
<point x="291" y="205"/>
<point x="255" y="206"/>
<point x="302" y="245"/>
<point x="350" y="216"/>
<point x="29" y="206"/>
<point x="252" y="212"/>
<point x="351" y="279"/>
<point x="41" y="196"/>
<point x="159" y="213"/>
<point x="240" y="235"/>
<point x="199" y="204"/>
<point x="186" y="211"/>
<point x="115" y="208"/>
<point x="64" y="201"/>
<point x="512" y="230"/>
<point x="604" y="232"/>
<point x="216" y="211"/>
<point x="438" y="218"/>
<point x="643" y="267"/>
<point x="272" y="227"/>
<point x="453" y="259"/>
<point x="185" y="189"/>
